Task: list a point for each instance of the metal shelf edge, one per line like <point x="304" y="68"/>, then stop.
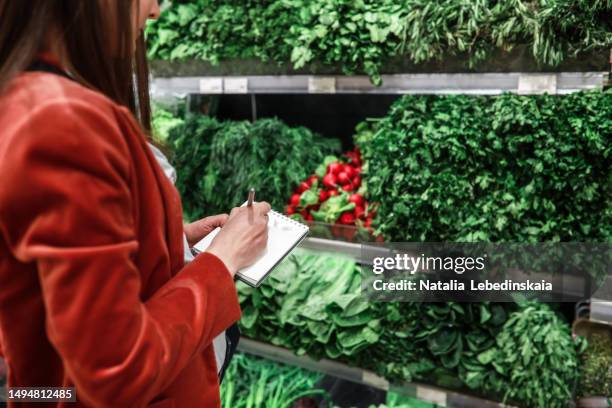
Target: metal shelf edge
<point x="601" y="311"/>
<point x="434" y="83"/>
<point x="351" y="250"/>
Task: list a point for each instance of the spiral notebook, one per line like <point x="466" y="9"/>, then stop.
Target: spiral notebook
<point x="284" y="234"/>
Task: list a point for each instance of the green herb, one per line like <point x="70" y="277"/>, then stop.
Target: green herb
<point x="362" y="35"/>
<point x="191" y="146"/>
<point x="217" y="162"/>
<point x="507" y="168"/>
<point x="163" y="122"/>
<point x="252" y="382"/>
<point x="596" y="367"/>
<point x="537" y="356"/>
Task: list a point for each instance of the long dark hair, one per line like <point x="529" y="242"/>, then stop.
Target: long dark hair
<point x="112" y="66"/>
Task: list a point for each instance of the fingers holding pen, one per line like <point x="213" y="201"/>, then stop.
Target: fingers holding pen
<point x="256" y="211"/>
<point x="243" y="237"/>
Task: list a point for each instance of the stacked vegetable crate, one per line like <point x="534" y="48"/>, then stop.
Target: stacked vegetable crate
<point x="455" y="168"/>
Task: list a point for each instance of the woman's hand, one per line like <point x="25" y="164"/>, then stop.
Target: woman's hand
<point x="243" y="238"/>
<point x="201" y="228"/>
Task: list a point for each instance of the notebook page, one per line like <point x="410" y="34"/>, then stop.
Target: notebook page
<point x="283" y="234"/>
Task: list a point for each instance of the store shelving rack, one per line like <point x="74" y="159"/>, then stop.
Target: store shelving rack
<point x="507" y="71"/>
<point x="172" y="80"/>
<point x="414" y="83"/>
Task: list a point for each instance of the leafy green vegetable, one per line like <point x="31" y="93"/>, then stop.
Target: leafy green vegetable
<point x="596" y="367"/>
<point x="331" y="209"/>
<point x="361" y="35"/>
<point x="312" y="305"/>
<point x="538" y="358"/>
<point x="217" y="162"/>
<point x="507" y="168"/>
<point x="252" y="382"/>
<point x="163" y="122"/>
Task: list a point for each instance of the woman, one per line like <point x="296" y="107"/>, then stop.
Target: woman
<point x="93" y="288"/>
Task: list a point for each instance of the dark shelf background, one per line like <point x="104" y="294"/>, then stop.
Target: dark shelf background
<point x="329" y="115"/>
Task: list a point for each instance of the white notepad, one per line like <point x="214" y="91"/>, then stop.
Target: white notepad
<point x="284" y="234"/>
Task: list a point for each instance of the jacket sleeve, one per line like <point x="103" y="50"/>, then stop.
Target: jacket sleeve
<point x="65" y="204"/>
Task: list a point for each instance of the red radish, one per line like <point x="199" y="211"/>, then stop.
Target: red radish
<point x="329" y="180"/>
<point x="347" y="218"/>
<point x="356" y="198"/>
<point x="323" y="195"/>
<point x="358" y="169"/>
<point x="352" y="155"/>
<point x="349" y="234"/>
<point x="334" y="168"/>
<point x="343" y="178"/>
<point x="332" y="193"/>
<point x="314" y="207"/>
<point x="359" y="211"/>
<point x="354" y="158"/>
<point x="295" y="200"/>
<point x="303" y="187"/>
<point x="304" y="213"/>
<point x="347" y="187"/>
<point x="312" y="179"/>
<point x="349" y="170"/>
<point x="368" y="222"/>
<point x="336" y="230"/>
<point x="356" y="181"/>
<point x="309" y="217"/>
<point x="290" y="210"/>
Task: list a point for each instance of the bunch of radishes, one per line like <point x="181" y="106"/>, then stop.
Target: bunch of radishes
<point x="334" y="195"/>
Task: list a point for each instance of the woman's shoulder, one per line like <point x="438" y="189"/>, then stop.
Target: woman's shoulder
<point x="31" y="92"/>
<point x="41" y="112"/>
<point x="39" y="102"/>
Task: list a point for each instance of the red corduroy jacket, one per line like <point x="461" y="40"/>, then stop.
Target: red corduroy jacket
<point x="93" y="288"/>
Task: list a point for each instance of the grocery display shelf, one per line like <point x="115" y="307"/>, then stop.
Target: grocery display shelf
<point x="601" y="303"/>
<point x="412" y="83"/>
<point x="349" y="249"/>
<point x="428" y="393"/>
<point x="601" y="311"/>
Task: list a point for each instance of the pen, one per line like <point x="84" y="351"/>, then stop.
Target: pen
<point x="251" y="197"/>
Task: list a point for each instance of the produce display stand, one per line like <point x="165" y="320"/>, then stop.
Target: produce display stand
<point x="427" y="393"/>
<point x="348" y="249"/>
<point x="601" y="311"/>
<point x="514" y="72"/>
<point x="172" y="80"/>
<point x="585" y="327"/>
<point x="600" y="304"/>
